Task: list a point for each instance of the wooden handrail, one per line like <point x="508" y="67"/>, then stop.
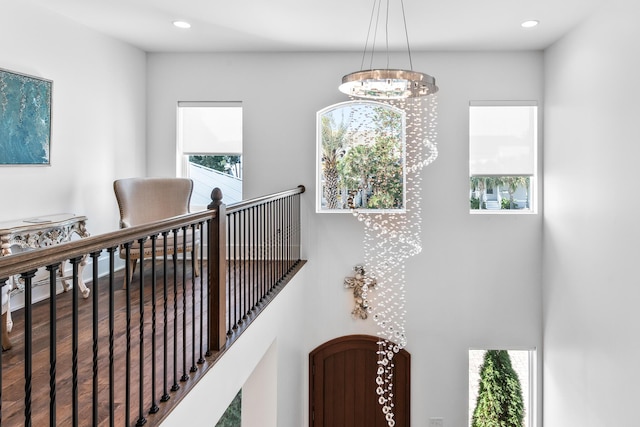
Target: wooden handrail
<point x="36" y="258"/>
<point x="32" y="259"/>
<point x="258" y="200"/>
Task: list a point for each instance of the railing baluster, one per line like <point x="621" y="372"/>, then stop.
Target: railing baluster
<point x="94" y="263"/>
<point x="271" y="225"/>
<point x="245" y="285"/>
<point x="263" y="242"/>
<point x="194" y="242"/>
<point x="278" y="209"/>
<point x="127" y="404"/>
<point x="240" y="244"/>
<point x="28" y="353"/>
<point x="247" y="264"/>
<point x="185" y="376"/>
<point x="3" y="281"/>
<point x="154" y="406"/>
<point x="279" y="247"/>
<point x="75" y="338"/>
<point x="274" y="248"/>
<point x="175" y="386"/>
<point x="267" y="249"/>
<point x="201" y="228"/>
<point x="254" y="258"/>
<point x="210" y="266"/>
<point x="289" y="219"/>
<point x="112" y="404"/>
<point x="53" y="271"/>
<point x="229" y="263"/>
<point x="165" y="374"/>
<point x="165" y="331"/>
<point x="298" y="229"/>
<point x="237" y="295"/>
<point x="236" y="267"/>
<point x="289" y="235"/>
<point x="281" y="240"/>
<point x="141" y="419"/>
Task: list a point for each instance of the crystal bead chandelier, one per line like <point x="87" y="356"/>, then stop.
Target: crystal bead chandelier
<point x="386" y="83"/>
<point x="391" y="239"/>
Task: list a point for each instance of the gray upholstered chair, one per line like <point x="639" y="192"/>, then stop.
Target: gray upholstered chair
<point x="146" y="200"/>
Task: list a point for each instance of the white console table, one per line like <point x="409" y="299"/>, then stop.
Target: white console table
<point x="42" y="231"/>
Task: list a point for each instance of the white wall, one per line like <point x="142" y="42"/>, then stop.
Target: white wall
<point x="98" y="124"/>
<point x="260" y="392"/>
<point x="591" y="233"/>
<point x="98" y="120"/>
<point x="476" y="283"/>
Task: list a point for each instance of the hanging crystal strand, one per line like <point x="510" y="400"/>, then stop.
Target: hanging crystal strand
<point x="391" y="239"/>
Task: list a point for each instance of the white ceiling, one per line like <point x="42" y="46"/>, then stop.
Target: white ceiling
<point x="325" y="25"/>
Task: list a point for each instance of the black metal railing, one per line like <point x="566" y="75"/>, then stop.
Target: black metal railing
<point x="120" y="356"/>
<point x="263" y="238"/>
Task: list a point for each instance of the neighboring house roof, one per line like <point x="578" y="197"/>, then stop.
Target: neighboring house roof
<point x="205" y="180"/>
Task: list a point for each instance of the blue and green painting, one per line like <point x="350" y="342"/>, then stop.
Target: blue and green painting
<point x="25" y="119"/>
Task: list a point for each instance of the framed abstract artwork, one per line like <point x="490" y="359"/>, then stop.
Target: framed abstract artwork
<point x="25" y="119"/>
<point x="361" y="157"/>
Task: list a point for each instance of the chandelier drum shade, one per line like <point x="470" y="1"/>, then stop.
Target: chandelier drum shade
<point x="386" y="83"/>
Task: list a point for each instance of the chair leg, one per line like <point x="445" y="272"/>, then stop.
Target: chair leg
<point x="6" y="342"/>
<point x="132" y="269"/>
<point x="196" y="253"/>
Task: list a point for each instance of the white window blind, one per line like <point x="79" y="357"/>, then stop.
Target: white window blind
<point x="502" y="139"/>
<point x="211" y="130"/>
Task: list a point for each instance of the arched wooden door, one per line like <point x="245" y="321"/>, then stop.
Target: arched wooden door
<point x="342" y="387"/>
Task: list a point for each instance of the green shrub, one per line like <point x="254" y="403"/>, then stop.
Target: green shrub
<point x="475" y="203"/>
<point x="500" y="402"/>
<point x="232" y="416"/>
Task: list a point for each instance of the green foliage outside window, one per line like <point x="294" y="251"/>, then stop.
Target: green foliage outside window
<point x="370" y="173"/>
<point x="483" y="185"/>
<point x="500" y="402"/>
<point x="474" y="203"/>
<point x="228" y="164"/>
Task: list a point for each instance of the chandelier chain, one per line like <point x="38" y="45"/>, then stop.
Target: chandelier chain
<point x="406" y="34"/>
<point x="366" y="43"/>
<point x="386" y="33"/>
<point x="386" y="83"/>
<point x="377" y="5"/>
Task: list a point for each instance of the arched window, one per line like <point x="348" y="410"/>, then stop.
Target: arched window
<point x="361" y="157"/>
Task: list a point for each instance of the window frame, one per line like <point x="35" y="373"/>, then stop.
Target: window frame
<point x="534" y="193"/>
<point x="182" y="156"/>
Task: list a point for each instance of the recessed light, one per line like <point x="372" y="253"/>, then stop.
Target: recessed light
<point x="529" y="24"/>
<point x="181" y="24"/>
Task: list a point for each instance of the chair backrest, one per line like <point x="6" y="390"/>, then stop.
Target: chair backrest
<point x="145" y="200"/>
